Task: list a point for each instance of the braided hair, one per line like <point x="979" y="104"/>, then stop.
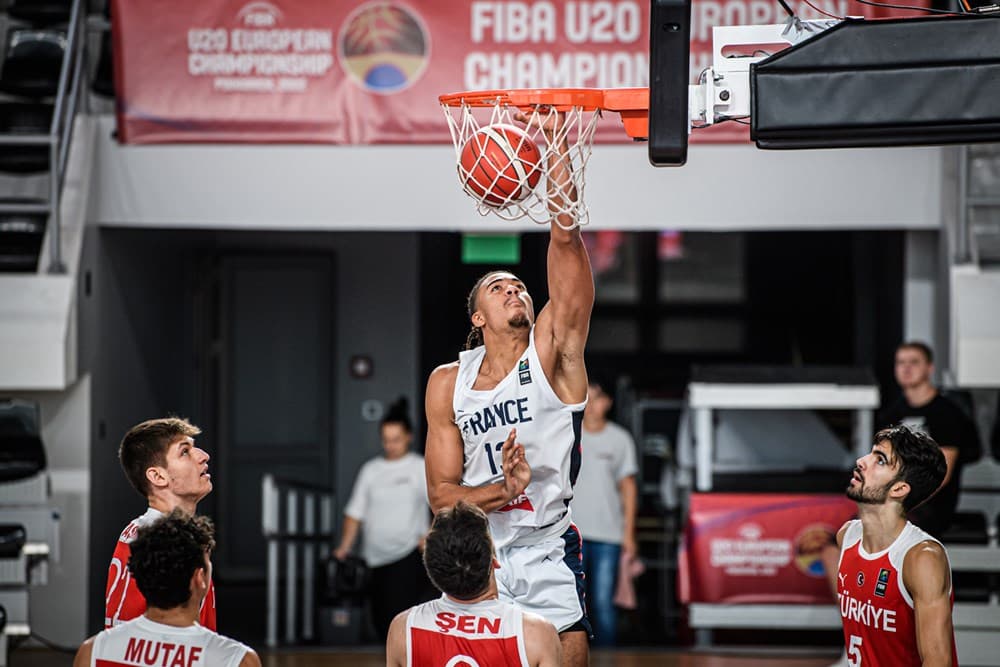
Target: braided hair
<point x="475" y="337"/>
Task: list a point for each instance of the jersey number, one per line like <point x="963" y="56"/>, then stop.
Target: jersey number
<point x="854" y="652"/>
<point x="490" y="448"/>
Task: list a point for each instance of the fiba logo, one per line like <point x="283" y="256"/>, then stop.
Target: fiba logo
<point x="259" y="15"/>
<point x="750" y="531"/>
<point x="384" y="47"/>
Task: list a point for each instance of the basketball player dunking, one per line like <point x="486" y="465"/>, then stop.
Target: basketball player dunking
<point x="504" y="421"/>
<point x="894" y="581"/>
<point x="468" y="625"/>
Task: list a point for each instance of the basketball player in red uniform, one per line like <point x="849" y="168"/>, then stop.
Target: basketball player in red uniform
<point x="172" y="568"/>
<point x="163" y="464"/>
<point x="468" y="626"/>
<point x="504" y="420"/>
<point x="894" y="580"/>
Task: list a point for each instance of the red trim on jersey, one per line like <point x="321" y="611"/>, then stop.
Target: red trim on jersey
<point x="519" y="503"/>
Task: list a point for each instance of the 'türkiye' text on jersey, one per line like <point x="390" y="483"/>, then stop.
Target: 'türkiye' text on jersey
<point x="549" y="430"/>
<point x="489" y="633"/>
<point x="876" y="608"/>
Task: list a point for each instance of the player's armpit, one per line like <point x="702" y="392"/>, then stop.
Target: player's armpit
<point x="927" y="577"/>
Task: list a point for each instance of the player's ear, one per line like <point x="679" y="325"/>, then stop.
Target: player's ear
<point x="478" y="320"/>
<point x="899" y="490"/>
<point x="157" y="476"/>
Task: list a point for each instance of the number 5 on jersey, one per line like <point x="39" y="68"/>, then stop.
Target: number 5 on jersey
<point x="854" y="652"/>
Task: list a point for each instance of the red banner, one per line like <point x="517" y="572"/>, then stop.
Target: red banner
<point x="370" y="72"/>
<point x="759" y="548"/>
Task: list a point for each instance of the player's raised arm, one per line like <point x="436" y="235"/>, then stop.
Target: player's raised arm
<point x="444" y="454"/>
<point x="928" y="579"/>
<point x="570" y="279"/>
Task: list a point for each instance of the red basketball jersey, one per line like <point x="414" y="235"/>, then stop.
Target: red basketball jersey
<point x="485" y="634"/>
<point x="876" y="608"/>
<point x="122" y="599"/>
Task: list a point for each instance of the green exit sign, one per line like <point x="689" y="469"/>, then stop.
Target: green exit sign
<point x="491" y="248"/>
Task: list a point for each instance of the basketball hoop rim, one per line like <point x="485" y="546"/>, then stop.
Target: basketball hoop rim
<point x="561" y="99"/>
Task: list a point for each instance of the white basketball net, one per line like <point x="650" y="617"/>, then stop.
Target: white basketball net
<point x="541" y="205"/>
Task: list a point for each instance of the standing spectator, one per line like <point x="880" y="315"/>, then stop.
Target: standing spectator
<point x="604" y="507"/>
<point x="922" y="408"/>
<point x="388" y="508"/>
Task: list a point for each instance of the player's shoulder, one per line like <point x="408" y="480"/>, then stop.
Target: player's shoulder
<point x="250" y="658"/>
<point x="441" y="385"/>
<point x="926" y="553"/>
<point x="444" y="373"/>
<point x="538" y="633"/>
<point x="537" y="624"/>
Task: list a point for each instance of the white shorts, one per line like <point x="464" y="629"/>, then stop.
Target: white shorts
<point x="546" y="578"/>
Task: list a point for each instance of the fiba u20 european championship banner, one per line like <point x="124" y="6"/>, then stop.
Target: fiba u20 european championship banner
<point x="370" y="72"/>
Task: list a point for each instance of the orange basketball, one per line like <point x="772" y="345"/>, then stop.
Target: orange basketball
<point x="500" y="165"/>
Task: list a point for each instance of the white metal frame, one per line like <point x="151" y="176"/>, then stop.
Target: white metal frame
<point x="724" y="89"/>
<point x="705" y="397"/>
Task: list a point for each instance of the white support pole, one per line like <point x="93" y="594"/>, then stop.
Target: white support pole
<point x="863" y="431"/>
<point x="269" y="521"/>
<point x="326" y="520"/>
<point x="703" y="434"/>
<point x="291" y="569"/>
<point x="308" y="566"/>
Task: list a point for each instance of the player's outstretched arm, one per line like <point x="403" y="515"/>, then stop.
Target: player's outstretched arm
<point x="563" y="324"/>
<point x="928" y="579"/>
<point x="541" y="642"/>
<point x="444" y="454"/>
<point x="395" y="643"/>
<point x="83" y="654"/>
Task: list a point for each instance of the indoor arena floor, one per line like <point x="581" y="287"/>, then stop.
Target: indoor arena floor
<point x="373" y="658"/>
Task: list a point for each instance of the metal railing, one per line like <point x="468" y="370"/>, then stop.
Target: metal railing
<point x="296" y="518"/>
<point x="60" y="134"/>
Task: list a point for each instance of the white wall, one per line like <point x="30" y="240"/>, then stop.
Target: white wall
<point x="59" y="610"/>
<point x="380" y="188"/>
<point x="920" y="286"/>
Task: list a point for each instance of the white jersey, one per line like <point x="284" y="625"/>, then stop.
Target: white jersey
<point x="143" y="643"/>
<point x="487" y="633"/>
<point x="549" y="430"/>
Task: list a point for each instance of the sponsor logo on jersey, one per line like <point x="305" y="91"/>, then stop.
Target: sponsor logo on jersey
<point x="882" y="583"/>
<point x="523" y="373"/>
